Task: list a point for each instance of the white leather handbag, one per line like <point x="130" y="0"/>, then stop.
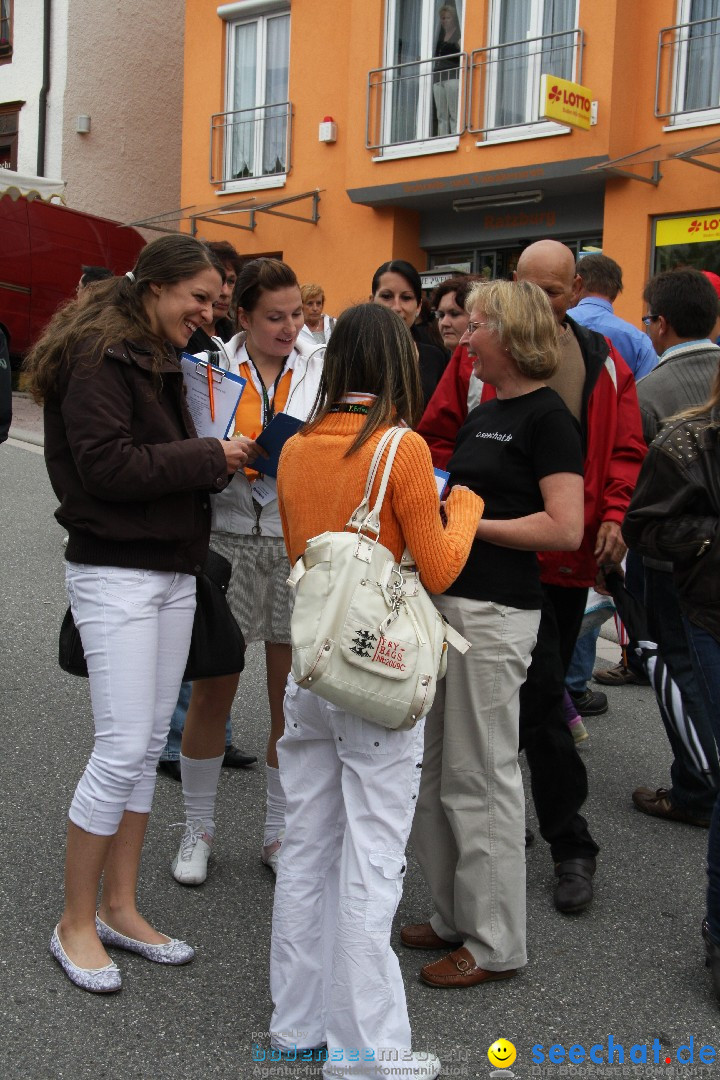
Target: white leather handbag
<point x="365" y="634"/>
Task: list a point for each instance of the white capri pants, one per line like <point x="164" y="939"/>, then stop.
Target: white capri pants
<point x="351" y="789"/>
<point x="135" y="627"/>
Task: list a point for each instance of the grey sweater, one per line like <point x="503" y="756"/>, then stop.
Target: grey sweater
<point x="680" y="382"/>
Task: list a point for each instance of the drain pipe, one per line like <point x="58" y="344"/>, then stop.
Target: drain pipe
<point x="42" y="119"/>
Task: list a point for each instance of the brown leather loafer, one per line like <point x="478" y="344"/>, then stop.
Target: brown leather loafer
<point x="658" y="804"/>
<point x="459" y="969"/>
<point x="422" y="936"/>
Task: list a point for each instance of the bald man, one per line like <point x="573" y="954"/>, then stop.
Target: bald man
<point x="598" y="387"/>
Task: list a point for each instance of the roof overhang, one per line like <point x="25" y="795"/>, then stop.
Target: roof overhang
<point x="691" y="152"/>
<point x="227" y="213"/>
<point x="554" y="177"/>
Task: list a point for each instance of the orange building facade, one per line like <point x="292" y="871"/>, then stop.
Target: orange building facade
<point x="338" y="134"/>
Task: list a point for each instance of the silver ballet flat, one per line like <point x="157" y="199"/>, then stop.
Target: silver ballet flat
<point x="104" y="980"/>
<point x="172" y="952"/>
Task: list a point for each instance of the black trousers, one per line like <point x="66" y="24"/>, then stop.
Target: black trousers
<point x="557" y="773"/>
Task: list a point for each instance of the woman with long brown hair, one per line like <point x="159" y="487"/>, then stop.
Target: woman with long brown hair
<point x="350" y="784"/>
<point x="132" y="479"/>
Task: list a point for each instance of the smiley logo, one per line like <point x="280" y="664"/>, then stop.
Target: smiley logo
<point x="501" y="1054"/>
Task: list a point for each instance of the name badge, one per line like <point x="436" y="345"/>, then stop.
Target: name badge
<point x="264" y="490"/>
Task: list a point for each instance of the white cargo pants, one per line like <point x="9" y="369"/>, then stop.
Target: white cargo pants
<point x="351" y="789"/>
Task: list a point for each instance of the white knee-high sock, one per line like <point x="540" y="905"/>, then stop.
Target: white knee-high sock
<point x="275" y="808"/>
<point x="200" y="779"/>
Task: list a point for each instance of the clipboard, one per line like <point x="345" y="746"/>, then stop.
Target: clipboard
<point x="227" y="391"/>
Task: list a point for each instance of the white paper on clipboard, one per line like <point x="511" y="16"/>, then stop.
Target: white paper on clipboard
<point x="227" y="391"/>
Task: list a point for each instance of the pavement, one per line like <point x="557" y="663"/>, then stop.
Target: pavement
<point x="630" y="968"/>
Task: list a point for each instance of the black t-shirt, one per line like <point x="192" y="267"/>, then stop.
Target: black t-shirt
<point x="502" y="451"/>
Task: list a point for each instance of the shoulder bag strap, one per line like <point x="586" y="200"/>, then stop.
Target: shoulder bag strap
<point x="360" y="513"/>
<point x="372" y="522"/>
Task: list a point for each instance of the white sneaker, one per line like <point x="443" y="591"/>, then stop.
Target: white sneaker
<point x="189" y="866"/>
<point x="420" y="1065"/>
<point x="271" y="852"/>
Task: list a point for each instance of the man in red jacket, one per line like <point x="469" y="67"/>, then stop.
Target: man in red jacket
<point x="598" y="388"/>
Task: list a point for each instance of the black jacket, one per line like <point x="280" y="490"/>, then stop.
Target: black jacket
<point x="124" y="460"/>
<point x="674" y="512"/>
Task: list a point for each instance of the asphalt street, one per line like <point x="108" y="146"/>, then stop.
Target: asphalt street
<point x="631" y="967"/>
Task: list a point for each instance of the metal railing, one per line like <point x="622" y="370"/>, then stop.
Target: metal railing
<point x="247" y="144"/>
<point x="687" y="79"/>
<point x="504" y="90"/>
<point x="416" y="101"/>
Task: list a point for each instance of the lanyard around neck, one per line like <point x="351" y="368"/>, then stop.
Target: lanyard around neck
<point x="268" y="407"/>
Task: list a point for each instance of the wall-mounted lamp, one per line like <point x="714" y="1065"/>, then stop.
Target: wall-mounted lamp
<point x="509" y="198"/>
<point x="82" y="125"/>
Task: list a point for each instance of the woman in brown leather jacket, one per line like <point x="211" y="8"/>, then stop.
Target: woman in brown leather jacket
<point x="132" y="479"/>
<point x="675" y="515"/>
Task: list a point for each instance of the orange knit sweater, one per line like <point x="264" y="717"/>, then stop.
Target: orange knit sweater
<point x="318" y="489"/>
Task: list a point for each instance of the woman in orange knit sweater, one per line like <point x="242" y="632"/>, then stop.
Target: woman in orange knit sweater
<point x="351" y="785"/>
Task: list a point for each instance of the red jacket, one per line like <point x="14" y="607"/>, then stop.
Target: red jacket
<point x="612" y="439"/>
<point x="446" y="411"/>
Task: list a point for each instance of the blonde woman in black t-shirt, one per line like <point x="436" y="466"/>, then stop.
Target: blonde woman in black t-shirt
<point x="522" y="452"/>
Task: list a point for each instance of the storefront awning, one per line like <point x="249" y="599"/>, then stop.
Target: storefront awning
<point x="653" y="155"/>
<point x="220" y="214"/>
<point x="16" y="185"/>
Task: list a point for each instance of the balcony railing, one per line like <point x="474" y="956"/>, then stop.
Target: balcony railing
<point x="688" y="69"/>
<point x="504" y="88"/>
<point x="248" y="144"/>
<point x="416" y="101"/>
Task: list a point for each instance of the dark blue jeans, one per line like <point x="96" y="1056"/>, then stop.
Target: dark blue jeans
<point x="693" y="788"/>
<point x="705" y="653"/>
<point x="171" y="750"/>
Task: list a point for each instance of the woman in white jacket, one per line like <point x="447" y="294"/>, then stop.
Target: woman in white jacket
<point x="246" y="529"/>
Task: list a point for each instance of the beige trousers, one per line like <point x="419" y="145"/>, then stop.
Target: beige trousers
<point x="469" y="827"/>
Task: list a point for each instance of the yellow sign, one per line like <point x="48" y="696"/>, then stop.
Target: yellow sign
<point x="566" y="101"/>
<point x="687" y="230"/>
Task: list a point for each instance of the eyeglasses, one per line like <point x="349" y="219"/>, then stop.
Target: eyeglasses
<point x="647" y="319"/>
<point x="473" y="326"/>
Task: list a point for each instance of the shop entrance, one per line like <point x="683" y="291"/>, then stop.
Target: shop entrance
<point x="500" y="262"/>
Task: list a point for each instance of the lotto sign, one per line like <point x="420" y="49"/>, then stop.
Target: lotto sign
<point x="565" y="101"/>
<point x="688" y="230"/>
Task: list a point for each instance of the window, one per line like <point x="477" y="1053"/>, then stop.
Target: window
<point x="695" y="48"/>
<point x="418" y="94"/>
<point x="529" y="38"/>
<point x="5" y="29"/>
<point x="9" y="123"/>
<point x="255" y="131"/>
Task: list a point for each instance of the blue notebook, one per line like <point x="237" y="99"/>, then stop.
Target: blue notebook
<point x="272" y="439"/>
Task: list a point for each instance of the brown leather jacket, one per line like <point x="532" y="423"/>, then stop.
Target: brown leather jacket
<point x="674" y="514"/>
<point x="125" y="462"/>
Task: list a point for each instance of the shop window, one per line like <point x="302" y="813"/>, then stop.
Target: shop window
<point x="9" y="123"/>
<point x="418" y="94"/>
<point x="528" y="39"/>
<point x="5" y="30"/>
<point x="692" y="63"/>
<point x="692" y="240"/>
<point x="251" y="140"/>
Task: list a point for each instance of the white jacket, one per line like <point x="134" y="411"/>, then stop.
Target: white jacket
<point x="233" y="510"/>
<point x="306" y="338"/>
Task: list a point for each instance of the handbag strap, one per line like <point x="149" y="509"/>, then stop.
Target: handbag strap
<point x="363" y="517"/>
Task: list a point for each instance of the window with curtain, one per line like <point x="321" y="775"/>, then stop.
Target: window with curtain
<point x="530" y="38"/>
<point x="422" y="94"/>
<point x="698" y="56"/>
<point x="257" y="129"/>
<point x="5" y="29"/>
